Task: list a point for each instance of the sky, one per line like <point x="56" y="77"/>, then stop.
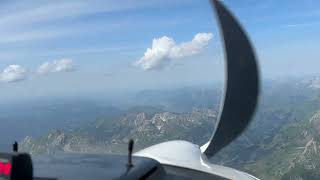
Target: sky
<point x="71" y="47"/>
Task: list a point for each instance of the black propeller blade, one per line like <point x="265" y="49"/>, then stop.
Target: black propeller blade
<point x="242" y="86"/>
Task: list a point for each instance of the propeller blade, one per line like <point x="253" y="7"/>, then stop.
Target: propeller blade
<point x="242" y="83"/>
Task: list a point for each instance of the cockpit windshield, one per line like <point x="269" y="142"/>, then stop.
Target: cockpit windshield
<point x="88" y="76"/>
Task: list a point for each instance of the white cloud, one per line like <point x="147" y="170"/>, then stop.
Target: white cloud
<point x="164" y="50"/>
<point x="62" y="65"/>
<point x="13" y="73"/>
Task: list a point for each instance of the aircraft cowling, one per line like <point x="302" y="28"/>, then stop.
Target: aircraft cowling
<point x="188" y="156"/>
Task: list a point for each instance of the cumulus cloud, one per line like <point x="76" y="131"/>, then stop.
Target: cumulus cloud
<point x="165" y="49"/>
<point x="13" y="73"/>
<point x="62" y="65"/>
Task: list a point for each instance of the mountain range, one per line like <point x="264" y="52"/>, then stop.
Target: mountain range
<point x="282" y="142"/>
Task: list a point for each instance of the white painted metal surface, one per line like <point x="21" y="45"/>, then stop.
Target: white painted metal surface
<point x="188" y="155"/>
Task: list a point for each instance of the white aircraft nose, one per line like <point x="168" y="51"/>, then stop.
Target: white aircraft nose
<point x="184" y="154"/>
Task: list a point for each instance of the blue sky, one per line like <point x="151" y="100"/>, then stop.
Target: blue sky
<point x="69" y="47"/>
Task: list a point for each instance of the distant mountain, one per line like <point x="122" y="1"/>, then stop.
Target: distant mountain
<point x="312" y="82"/>
<point x="276" y="152"/>
<point x="293" y="153"/>
<point x="34" y="117"/>
<point x="112" y="134"/>
<point x="282" y="142"/>
<point x="181" y="99"/>
<point x="37" y="117"/>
